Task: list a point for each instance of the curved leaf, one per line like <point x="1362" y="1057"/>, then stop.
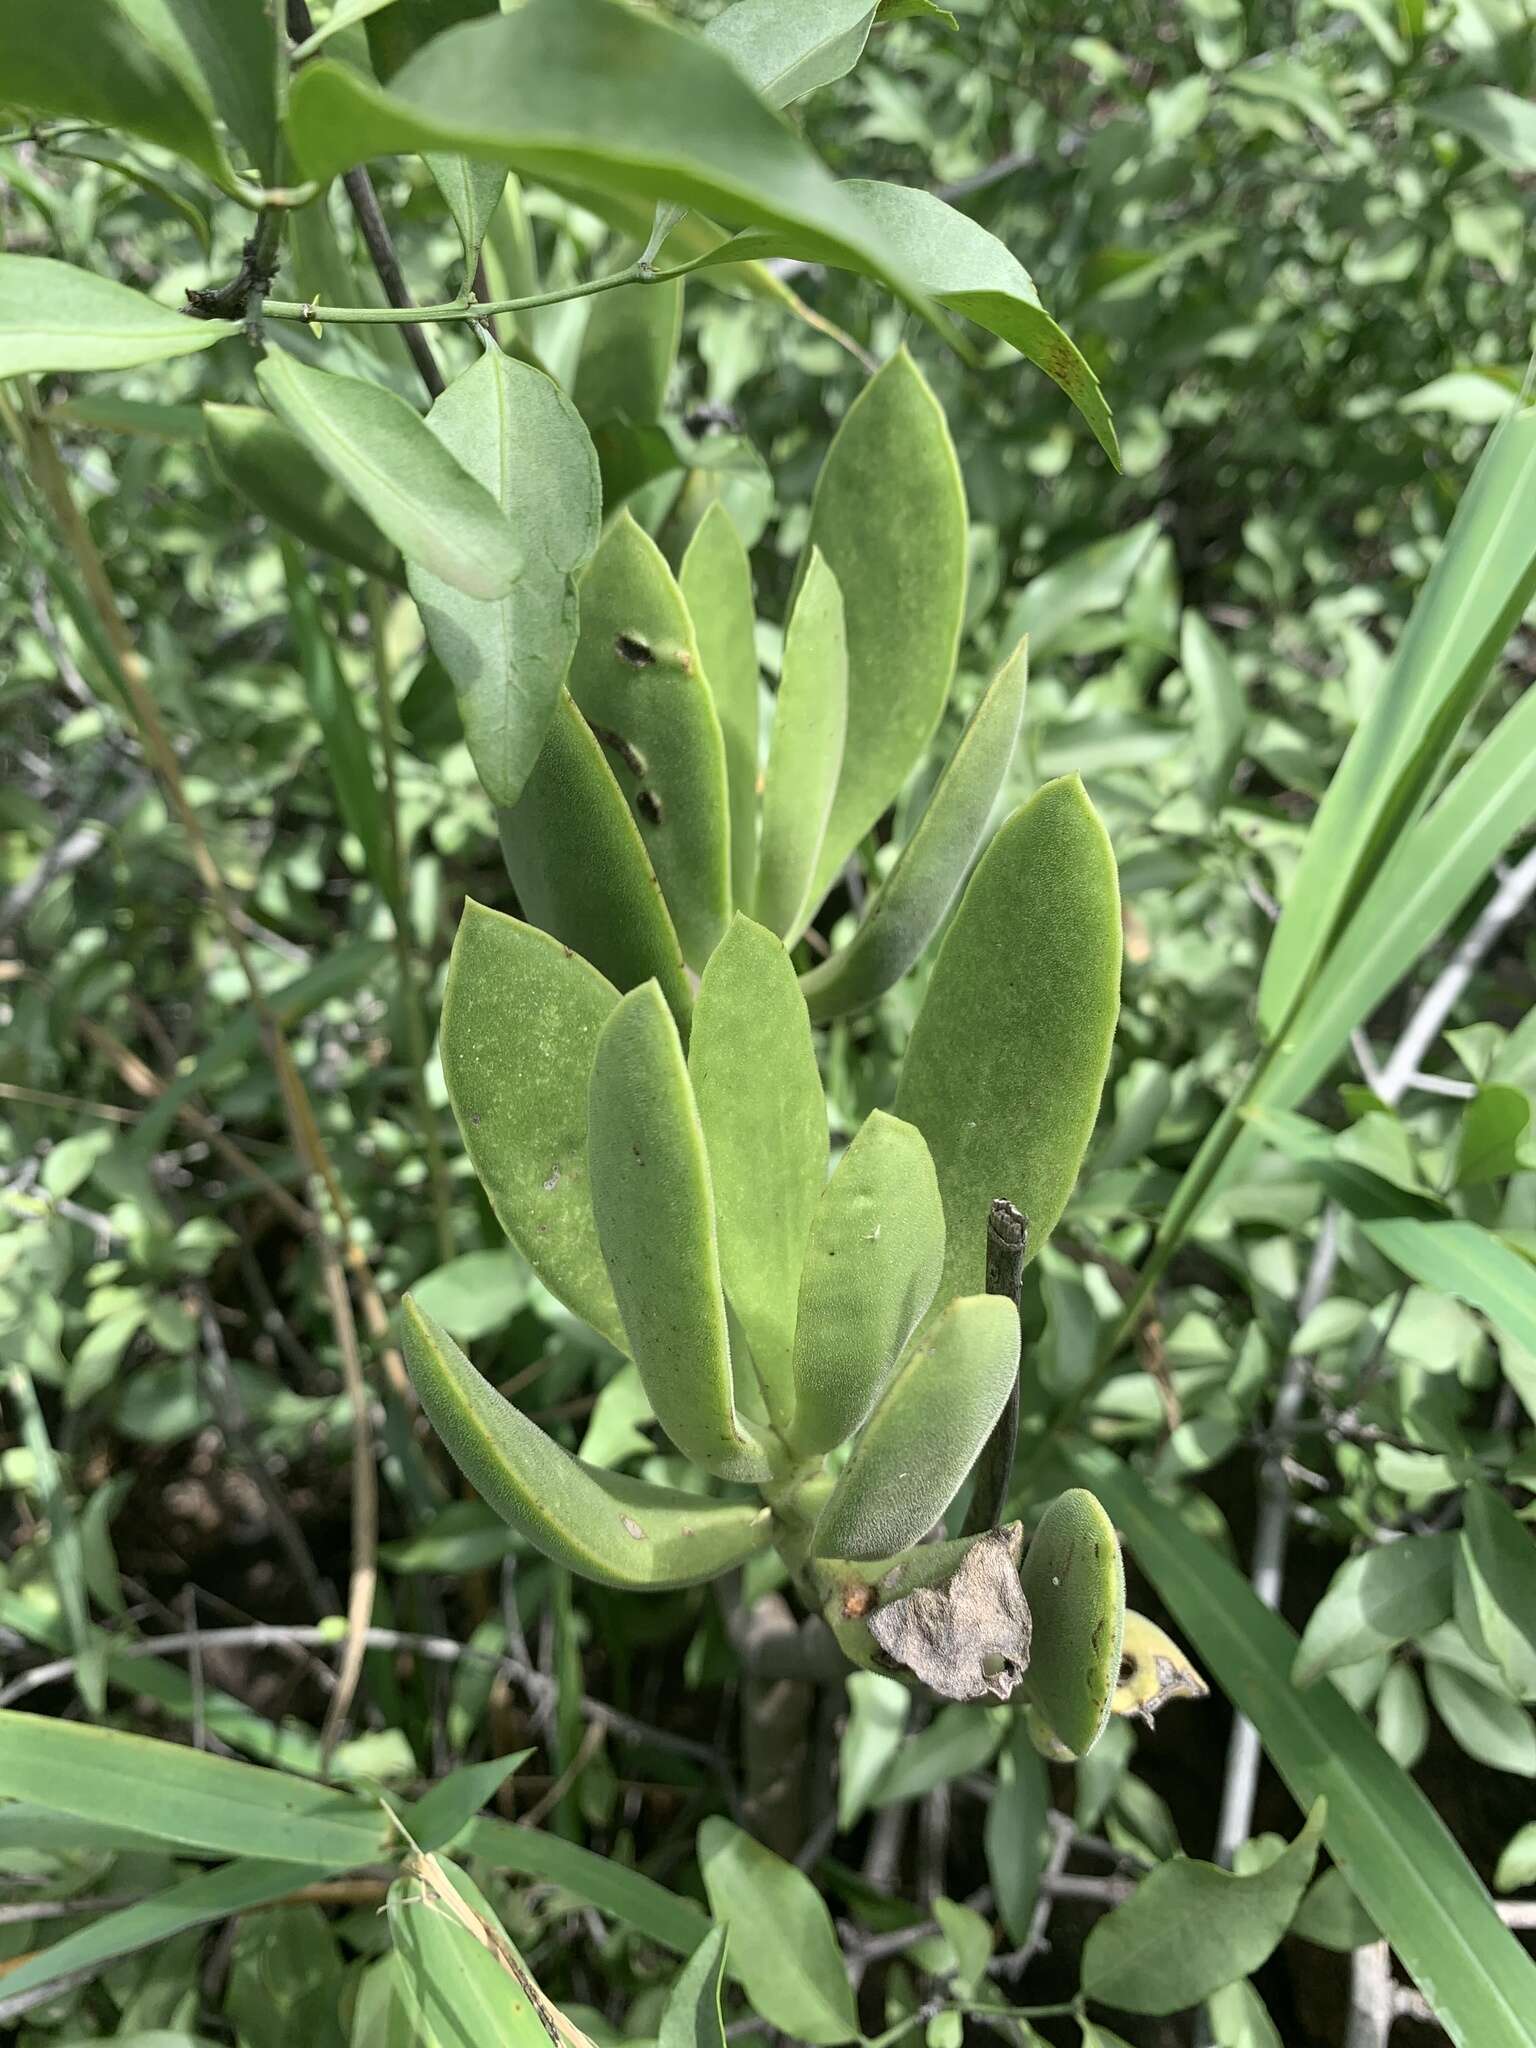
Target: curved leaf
<point x="764" y="1120"/>
<point x="784" y="1945"/>
<point x="515" y="432"/>
<point x="628" y="351"/>
<point x="654" y="1206"/>
<point x="923" y="1438"/>
<point x="1007" y="1059"/>
<point x="636" y="676"/>
<point x="56" y="316"/>
<point x="787" y="48"/>
<point x="911" y="903"/>
<point x="888" y="516"/>
<point x="805" y="755"/>
<point x="381" y="451"/>
<point x="618" y="1531"/>
<point x="225" y="54"/>
<point x="258" y="458"/>
<point x="691" y="2017"/>
<point x="580" y="867"/>
<point x="1074" y="1581"/>
<point x="716" y="582"/>
<point x="871" y="1268"/>
<point x="521" y="1019"/>
<point x="592" y="92"/>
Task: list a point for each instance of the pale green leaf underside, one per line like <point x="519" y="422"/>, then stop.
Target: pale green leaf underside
<point x="55" y="316"/>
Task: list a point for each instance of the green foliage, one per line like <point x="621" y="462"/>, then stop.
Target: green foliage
<point x="1074" y="1581"/>
<point x="805" y="755"/>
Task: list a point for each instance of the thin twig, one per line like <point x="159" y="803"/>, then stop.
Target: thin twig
<point x="364" y="1577"/>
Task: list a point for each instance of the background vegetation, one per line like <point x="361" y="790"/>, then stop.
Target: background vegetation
<point x="1294" y="242"/>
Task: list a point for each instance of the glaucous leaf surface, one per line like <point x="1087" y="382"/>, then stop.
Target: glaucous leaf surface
<point x="1190" y="1928"/>
<point x="913" y="900"/>
<point x="273" y="469"/>
<point x="384" y="454"/>
<point x="888" y="517"/>
<point x="913" y="1454"/>
<point x="805" y="754"/>
<point x="784" y="1947"/>
<point x="870" y="1268"/>
<point x="56" y="316"/>
<point x="1074" y="1581"/>
<point x="1007" y="1059"/>
<point x="522" y="1014"/>
<point x="654" y="1203"/>
<point x="580" y="867"/>
<point x="764" y="1120"/>
<point x="603" y="1525"/>
<point x="716" y="581"/>
<point x="518" y="435"/>
<point x="637" y="679"/>
<point x="590" y="91"/>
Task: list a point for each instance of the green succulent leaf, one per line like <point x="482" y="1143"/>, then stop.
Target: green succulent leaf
<point x="716" y="582"/>
<point x="888" y="517"/>
<point x="654" y="1204"/>
<point x="1074" y="1581"/>
<point x="521" y="1019"/>
<point x="871" y="1266"/>
<point x="1007" y="1059"/>
<point x="56" y="316"/>
<point x="603" y="1525"/>
<point x="916" y="1449"/>
<point x="912" y="902"/>
<point x="271" y="468"/>
<point x="1188" y="1929"/>
<point x="595" y="94"/>
<point x="516" y="434"/>
<point x="580" y="868"/>
<point x="637" y="679"/>
<point x="805" y="754"/>
<point x="383" y="453"/>
<point x="764" y="1120"/>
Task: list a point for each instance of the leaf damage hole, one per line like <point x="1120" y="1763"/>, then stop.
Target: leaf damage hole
<point x="631" y="648"/>
<point x="616" y="743"/>
<point x="649" y="805"/>
<point x="632" y="1528"/>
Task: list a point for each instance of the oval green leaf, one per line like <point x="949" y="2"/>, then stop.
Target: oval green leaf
<point x="381" y="451"/>
<point x="805" y="754"/>
<point x="787" y="48"/>
<point x="784" y="1946"/>
<point x="915" y="897"/>
<point x="1074" y="1581"/>
<point x="716" y="582"/>
<point x="1007" y="1059"/>
<point x="923" y="1438"/>
<point x="636" y="676"/>
<point x="258" y="458"/>
<point x="871" y="1268"/>
<point x="516" y="433"/>
<point x="55" y="316"/>
<point x="654" y="1205"/>
<point x="521" y="1019"/>
<point x="607" y="1527"/>
<point x="764" y="1120"/>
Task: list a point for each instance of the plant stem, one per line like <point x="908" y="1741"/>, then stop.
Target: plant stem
<point x="417" y="1046"/>
<point x="463" y="308"/>
<point x="1007" y="1248"/>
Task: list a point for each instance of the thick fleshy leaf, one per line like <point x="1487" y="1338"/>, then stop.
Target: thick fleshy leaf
<point x="932" y="1420"/>
<point x="888" y="516"/>
<point x="1189" y="1928"/>
<point x="764" y="1120"/>
<point x="85" y="58"/>
<point x="521" y="1018"/>
<point x="716" y="582"/>
<point x="783" y="1945"/>
<point x="787" y="48"/>
<point x="1388" y="1595"/>
<point x="914" y="898"/>
<point x="1074" y="1581"/>
<point x="603" y="1525"/>
<point x="1396" y="1854"/>
<point x="258" y="457"/>
<point x="805" y="754"/>
<point x="871" y="1267"/>
<point x="580" y="868"/>
<point x="637" y="679"/>
<point x="517" y="434"/>
<point x="1007" y="1059"/>
<point x="654" y="1204"/>
<point x="383" y="453"/>
<point x="1482" y="581"/>
<point x="595" y="93"/>
<point x="56" y="316"/>
<point x="691" y="2017"/>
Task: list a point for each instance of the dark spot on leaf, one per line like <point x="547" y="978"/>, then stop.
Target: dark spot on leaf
<point x="616" y="743"/>
<point x="553" y="1182"/>
<point x="648" y="804"/>
<point x="631" y="648"/>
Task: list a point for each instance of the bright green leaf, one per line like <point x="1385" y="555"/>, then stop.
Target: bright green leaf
<point x="1074" y="1581"/>
<point x="782" y="1941"/>
<point x="55" y="316"/>
<point x="805" y="755"/>
<point x="258" y="457"/>
<point x="692" y="2017"/>
<point x="1389" y="1594"/>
